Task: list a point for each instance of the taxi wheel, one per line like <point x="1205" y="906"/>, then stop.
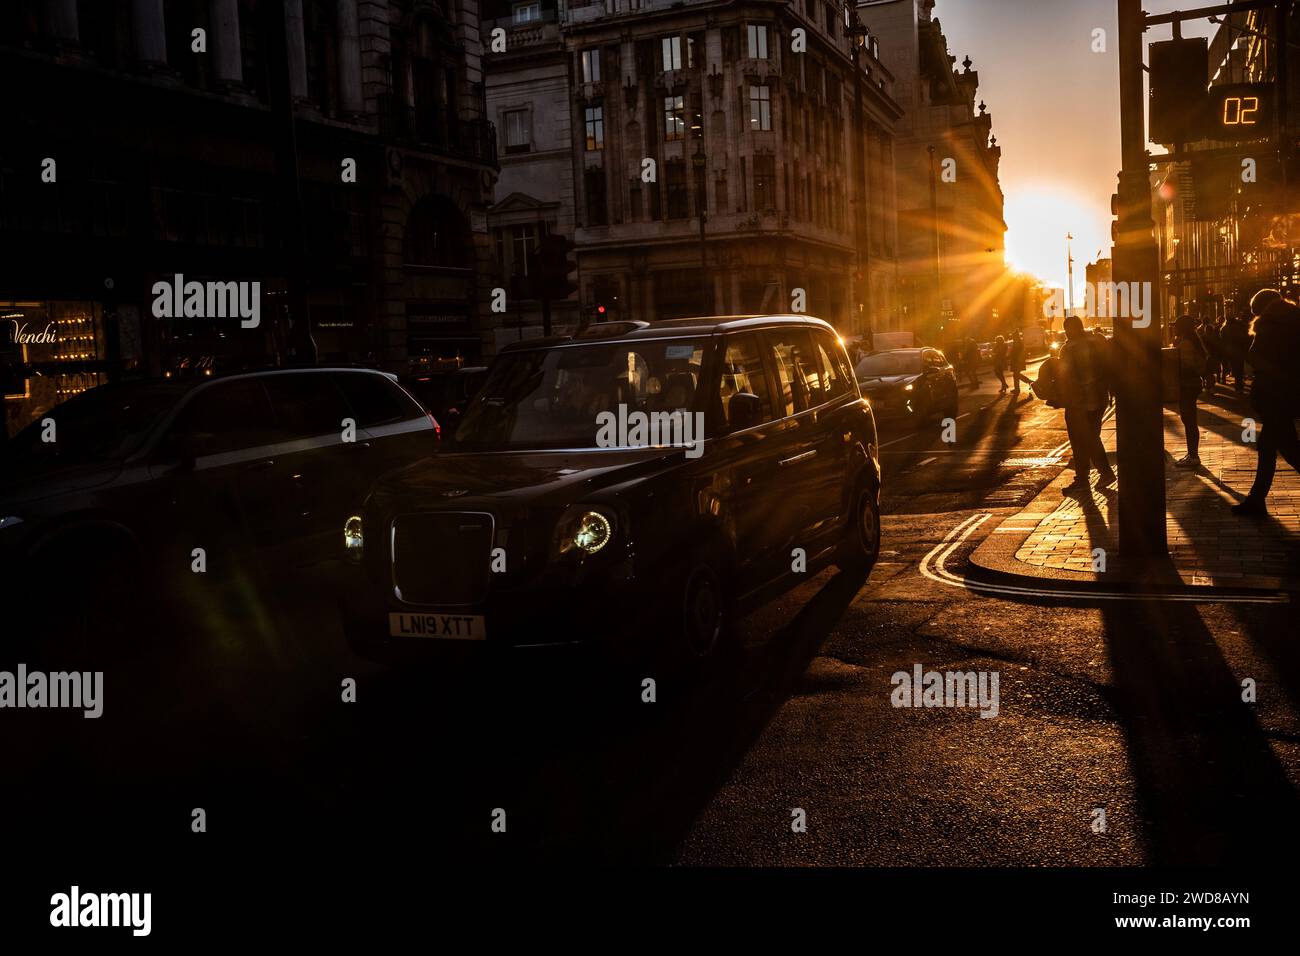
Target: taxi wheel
<point x="706" y="613"/>
<point x="861" y="545"/>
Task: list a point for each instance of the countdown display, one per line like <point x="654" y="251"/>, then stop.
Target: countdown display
<point x="1238" y="111"/>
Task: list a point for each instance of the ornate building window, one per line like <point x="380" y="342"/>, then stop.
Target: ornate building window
<point x="674" y="118"/>
<point x="591" y="65"/>
<point x="760" y="108"/>
<point x="595" y="127"/>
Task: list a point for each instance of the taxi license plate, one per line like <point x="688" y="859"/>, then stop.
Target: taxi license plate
<point x="445" y="627"/>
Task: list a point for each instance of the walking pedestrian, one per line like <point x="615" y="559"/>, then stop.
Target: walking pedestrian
<point x="1236" y="340"/>
<point x="971" y="353"/>
<point x="1275" y="393"/>
<point x="1018" y="362"/>
<point x="1191" y="360"/>
<point x="1213" y="361"/>
<point x="1000" y="363"/>
<point x="1085" y="394"/>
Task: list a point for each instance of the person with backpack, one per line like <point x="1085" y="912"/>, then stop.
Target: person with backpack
<point x="1192" y="356"/>
<point x="1085" y="392"/>
<point x="1275" y="393"/>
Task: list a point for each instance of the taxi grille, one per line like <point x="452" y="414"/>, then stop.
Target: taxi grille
<point x="442" y="558"/>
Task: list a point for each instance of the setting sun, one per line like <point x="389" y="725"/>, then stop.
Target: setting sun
<point x="1038" y="217"/>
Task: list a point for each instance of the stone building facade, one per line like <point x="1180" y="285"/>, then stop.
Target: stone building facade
<point x="529" y="100"/>
<point x="953" y="275"/>
<point x="159" y="117"/>
<point x="720" y="107"/>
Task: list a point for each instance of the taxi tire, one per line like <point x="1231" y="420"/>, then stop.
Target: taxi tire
<point x="706" y="614"/>
<point x="860" y="548"/>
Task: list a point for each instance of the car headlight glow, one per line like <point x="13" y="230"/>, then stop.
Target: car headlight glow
<point x="10" y="521"/>
<point x="908" y="387"/>
<point x="353" y="538"/>
<point x="593" y="532"/>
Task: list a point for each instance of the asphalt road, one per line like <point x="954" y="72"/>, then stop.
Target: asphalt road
<point x="1134" y="710"/>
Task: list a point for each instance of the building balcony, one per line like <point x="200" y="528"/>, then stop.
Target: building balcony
<point x="433" y="132"/>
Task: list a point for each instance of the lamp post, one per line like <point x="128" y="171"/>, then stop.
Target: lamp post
<point x="1069" y="271"/>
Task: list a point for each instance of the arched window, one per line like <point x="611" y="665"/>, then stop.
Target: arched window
<point x="437" y="234"/>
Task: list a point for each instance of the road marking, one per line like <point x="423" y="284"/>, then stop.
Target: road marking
<point x="927" y="461"/>
<point x="932" y="567"/>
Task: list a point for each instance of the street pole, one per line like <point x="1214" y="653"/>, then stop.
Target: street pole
<point x="934" y="235"/>
<point x="1139" y="415"/>
<point x="862" y="220"/>
<point x="1069" y="270"/>
<point x="702" y="204"/>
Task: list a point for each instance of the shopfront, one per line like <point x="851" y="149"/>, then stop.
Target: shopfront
<point x="53" y="350"/>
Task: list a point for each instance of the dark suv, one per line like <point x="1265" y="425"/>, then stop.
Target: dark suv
<point x="256" y="467"/>
<point x="553" y="520"/>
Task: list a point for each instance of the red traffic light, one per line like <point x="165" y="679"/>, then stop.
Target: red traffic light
<point x="600" y="309"/>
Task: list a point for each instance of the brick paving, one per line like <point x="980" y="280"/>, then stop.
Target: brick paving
<point x="1209" y="544"/>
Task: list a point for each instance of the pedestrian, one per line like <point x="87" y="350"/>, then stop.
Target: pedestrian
<point x="1191" y="360"/>
<point x="1209" y="334"/>
<point x="1236" y="340"/>
<point x="971" y="353"/>
<point x="1085" y="394"/>
<point x="1000" y="363"/>
<point x="1274" y="394"/>
<point x="1018" y="362"/>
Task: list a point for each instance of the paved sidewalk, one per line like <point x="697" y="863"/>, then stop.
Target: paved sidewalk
<point x="1056" y="536"/>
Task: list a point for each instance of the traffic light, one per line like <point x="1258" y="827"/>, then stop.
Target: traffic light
<point x="1179" y="76"/>
<point x="557" y="269"/>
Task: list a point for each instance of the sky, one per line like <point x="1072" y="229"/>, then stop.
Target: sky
<point x="1055" y="106"/>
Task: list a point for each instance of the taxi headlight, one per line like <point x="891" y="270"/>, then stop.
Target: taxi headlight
<point x="585" y="530"/>
<point x="353" y="538"/>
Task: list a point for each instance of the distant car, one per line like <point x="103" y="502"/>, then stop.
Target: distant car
<point x="111" y="498"/>
<point x="446" y="392"/>
<point x="539" y="529"/>
<point x="909" y="383"/>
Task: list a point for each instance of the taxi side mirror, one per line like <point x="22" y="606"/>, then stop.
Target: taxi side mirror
<point x="744" y="410"/>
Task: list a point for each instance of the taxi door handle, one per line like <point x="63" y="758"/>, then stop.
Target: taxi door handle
<point x="794" y="460"/>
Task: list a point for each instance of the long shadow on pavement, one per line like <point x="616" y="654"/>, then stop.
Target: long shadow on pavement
<point x="1210" y="788"/>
